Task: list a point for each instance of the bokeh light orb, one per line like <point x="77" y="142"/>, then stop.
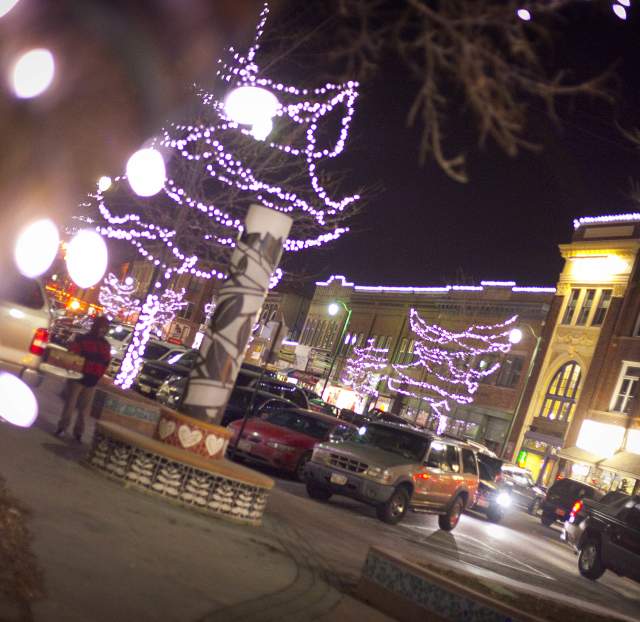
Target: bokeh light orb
<point x="33" y="73"/>
<point x="251" y="105"/>
<point x="146" y="172"/>
<point x="262" y="129"/>
<point x="515" y="335"/>
<point x="6" y="6"/>
<point x="36" y="247"/>
<point x="18" y="404"/>
<point x="333" y="308"/>
<point x="87" y="258"/>
<point x="104" y="183"/>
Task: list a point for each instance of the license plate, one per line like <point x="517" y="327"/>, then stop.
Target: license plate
<point x="244" y="446"/>
<point x="338" y="478"/>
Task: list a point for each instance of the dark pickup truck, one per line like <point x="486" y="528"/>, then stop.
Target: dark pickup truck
<point x="611" y="540"/>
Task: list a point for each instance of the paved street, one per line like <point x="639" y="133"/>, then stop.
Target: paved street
<point x="96" y="539"/>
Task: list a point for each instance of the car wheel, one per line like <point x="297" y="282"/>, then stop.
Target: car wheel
<point x="547" y="519"/>
<point x="395" y="508"/>
<point x="300" y="467"/>
<point x="495" y="515"/>
<point x="449" y="520"/>
<point x="319" y="493"/>
<point x="534" y="508"/>
<point x="589" y="560"/>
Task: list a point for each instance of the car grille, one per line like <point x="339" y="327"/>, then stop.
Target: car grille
<point x="347" y="464"/>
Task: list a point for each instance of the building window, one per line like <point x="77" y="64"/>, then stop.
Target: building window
<point x="485" y="363"/>
<point x="626" y="389"/>
<point x="510" y="371"/>
<point x="601" y="309"/>
<point x="585" y="309"/>
<point x="571" y="306"/>
<point x="185" y="312"/>
<point x="560" y="399"/>
<point x="405" y="352"/>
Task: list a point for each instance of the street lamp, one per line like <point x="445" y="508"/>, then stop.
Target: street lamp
<point x="515" y="336"/>
<point x="333" y="310"/>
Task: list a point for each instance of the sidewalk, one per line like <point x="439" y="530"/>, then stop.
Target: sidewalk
<point x="110" y="553"/>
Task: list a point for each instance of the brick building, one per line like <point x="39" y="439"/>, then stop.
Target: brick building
<point x="381" y="313"/>
<point x="583" y="418"/>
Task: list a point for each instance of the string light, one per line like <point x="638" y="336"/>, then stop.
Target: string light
<point x="451" y="361"/>
<point x="363" y="369"/>
<point x="594" y="220"/>
<point x="116" y="297"/>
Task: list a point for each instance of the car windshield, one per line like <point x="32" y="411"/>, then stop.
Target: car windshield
<point x="521" y="478"/>
<point x="154" y="351"/>
<point x="298" y="422"/>
<point x="405" y="444"/>
<point x="119" y="333"/>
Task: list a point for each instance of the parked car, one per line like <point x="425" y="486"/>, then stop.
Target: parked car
<point x="394" y="468"/>
<point x="611" y="540"/>
<point x="560" y="498"/>
<point x="285" y="438"/>
<point x="574" y="526"/>
<point x="155" y="350"/>
<point x="263" y="401"/>
<point x="24" y="324"/>
<point x="154" y="373"/>
<point x="353" y="417"/>
<point x="494" y="497"/>
<point x="284" y="389"/>
<point x="380" y="415"/>
<point x="119" y="336"/>
<point x="320" y="406"/>
<point x="525" y="494"/>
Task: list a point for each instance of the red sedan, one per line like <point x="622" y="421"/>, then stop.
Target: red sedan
<point x="284" y="438"/>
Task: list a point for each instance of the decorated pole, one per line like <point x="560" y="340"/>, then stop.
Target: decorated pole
<point x="238" y="303"/>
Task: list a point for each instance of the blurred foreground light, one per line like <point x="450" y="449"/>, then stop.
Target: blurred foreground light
<point x="515" y="335"/>
<point x="128" y="280"/>
<point x="262" y="129"/>
<point x="104" y="183"/>
<point x="6" y="6"/>
<point x="146" y="172"/>
<point x="620" y="11"/>
<point x="626" y="3"/>
<point x="18" y="404"/>
<point x="524" y="14"/>
<point x="251" y="105"/>
<point x="87" y="258"/>
<point x="33" y="73"/>
<point x="36" y="247"/>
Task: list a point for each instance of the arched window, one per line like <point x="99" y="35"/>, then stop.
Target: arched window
<point x="560" y="399"/>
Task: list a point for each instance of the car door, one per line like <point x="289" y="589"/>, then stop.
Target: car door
<point x="624" y="542"/>
<point x="431" y="483"/>
<point x="470" y="472"/>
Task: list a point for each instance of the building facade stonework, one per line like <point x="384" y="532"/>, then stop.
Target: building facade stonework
<point x="382" y="314"/>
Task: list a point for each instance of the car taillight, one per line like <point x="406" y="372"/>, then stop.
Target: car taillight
<point x="39" y="341"/>
<point x="577" y="506"/>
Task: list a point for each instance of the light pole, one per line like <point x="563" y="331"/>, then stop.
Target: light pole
<point x="333" y="309"/>
<point x="515" y="336"/>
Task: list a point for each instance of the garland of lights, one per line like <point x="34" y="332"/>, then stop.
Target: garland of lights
<point x="115" y="296"/>
<point x="449" y="363"/>
<point x="206" y="145"/>
<point x="363" y="369"/>
<point x="169" y="303"/>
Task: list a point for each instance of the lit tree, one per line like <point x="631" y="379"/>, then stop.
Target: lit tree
<point x="450" y="363"/>
<point x="364" y="369"/>
<point x="169" y="303"/>
<point x="117" y="297"/>
<point x="217" y="168"/>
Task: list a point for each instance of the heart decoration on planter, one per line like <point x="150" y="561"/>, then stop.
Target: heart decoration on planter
<point x="166" y="428"/>
<point x="189" y="437"/>
<point x="214" y="444"/>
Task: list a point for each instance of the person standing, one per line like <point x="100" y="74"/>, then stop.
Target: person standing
<point x="97" y="353"/>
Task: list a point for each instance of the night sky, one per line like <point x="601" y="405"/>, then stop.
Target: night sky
<point x="506" y="222"/>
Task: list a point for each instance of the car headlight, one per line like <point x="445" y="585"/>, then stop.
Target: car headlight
<point x="378" y="473"/>
<point x="280" y="446"/>
<point x="503" y="499"/>
<point x="320" y="456"/>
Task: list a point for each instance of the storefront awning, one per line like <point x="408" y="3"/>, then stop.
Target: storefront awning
<point x="625" y="463"/>
<point x="575" y="454"/>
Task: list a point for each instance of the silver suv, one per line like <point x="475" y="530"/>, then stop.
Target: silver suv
<point x="394" y="468"/>
<point x="24" y="324"/>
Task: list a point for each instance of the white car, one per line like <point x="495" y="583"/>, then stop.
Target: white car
<point x="119" y="336"/>
<point x="25" y="318"/>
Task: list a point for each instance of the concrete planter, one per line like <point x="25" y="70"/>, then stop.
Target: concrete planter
<point x="193" y="435"/>
<point x="411" y="593"/>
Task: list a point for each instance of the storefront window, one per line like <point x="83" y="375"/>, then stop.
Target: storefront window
<point x="560" y="399"/>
